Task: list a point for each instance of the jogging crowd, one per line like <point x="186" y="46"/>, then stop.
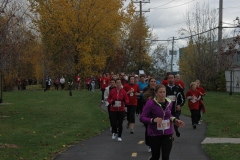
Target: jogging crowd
<point x="157" y="105"/>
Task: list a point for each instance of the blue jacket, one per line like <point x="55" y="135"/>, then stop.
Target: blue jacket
<point x="153" y="109"/>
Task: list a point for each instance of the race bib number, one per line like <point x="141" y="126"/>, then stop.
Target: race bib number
<point x="172" y="97"/>
<point x="164" y="125"/>
<point x="117" y="104"/>
<point x="194" y="99"/>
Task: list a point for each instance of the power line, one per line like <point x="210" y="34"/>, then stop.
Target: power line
<point x="172" y="24"/>
<point x="231" y="7"/>
<point x="163" y="4"/>
<point x="175" y="6"/>
<point x="192" y="35"/>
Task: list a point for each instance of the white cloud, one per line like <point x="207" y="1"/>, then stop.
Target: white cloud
<point x="162" y="20"/>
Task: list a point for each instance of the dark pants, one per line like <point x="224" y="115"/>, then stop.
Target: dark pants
<point x="147" y="139"/>
<point x="89" y="87"/>
<point x="103" y="90"/>
<point x="109" y="114"/>
<point x="139" y="105"/>
<point x="131" y="114"/>
<point x="161" y="143"/>
<point x="117" y="122"/>
<point x="46" y="85"/>
<point x="56" y="86"/>
<point x="199" y="112"/>
<point x="62" y="85"/>
<point x="194" y="116"/>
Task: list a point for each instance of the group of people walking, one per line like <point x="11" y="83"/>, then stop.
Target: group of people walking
<point x="159" y="107"/>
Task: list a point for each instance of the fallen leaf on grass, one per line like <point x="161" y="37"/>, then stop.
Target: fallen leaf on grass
<point x="8" y="145"/>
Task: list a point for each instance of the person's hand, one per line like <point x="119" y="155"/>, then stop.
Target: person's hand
<point x="113" y="102"/>
<point x="178" y="108"/>
<point x="179" y="123"/>
<point x="158" y="120"/>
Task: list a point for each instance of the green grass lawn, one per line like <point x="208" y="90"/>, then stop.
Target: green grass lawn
<point x="38" y="125"/>
<point x="223" y="120"/>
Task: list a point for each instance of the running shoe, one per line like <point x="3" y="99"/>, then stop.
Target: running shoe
<point x="199" y="122"/>
<point x="194" y="126"/>
<point x="102" y="101"/>
<point x="131" y="132"/>
<point x="149" y="149"/>
<point x="178" y="133"/>
<point x="119" y="139"/>
<point x="114" y="136"/>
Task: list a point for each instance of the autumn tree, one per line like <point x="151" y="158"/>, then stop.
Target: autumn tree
<point x="160" y="61"/>
<point x="16" y="59"/>
<point x="198" y="60"/>
<point x="78" y="36"/>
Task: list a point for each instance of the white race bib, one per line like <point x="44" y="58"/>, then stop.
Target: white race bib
<point x="172" y="97"/>
<point x="117" y="104"/>
<point x="164" y="125"/>
<point x="194" y="99"/>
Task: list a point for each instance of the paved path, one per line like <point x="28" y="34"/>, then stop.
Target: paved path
<point x="102" y="147"/>
<point x="221" y="140"/>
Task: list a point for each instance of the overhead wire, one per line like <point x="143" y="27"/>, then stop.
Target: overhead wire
<point x="231" y="7"/>
<point x="163" y="4"/>
<point x="174" y="6"/>
<point x="172" y="24"/>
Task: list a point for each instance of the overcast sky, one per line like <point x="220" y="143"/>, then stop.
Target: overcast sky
<point x="168" y="17"/>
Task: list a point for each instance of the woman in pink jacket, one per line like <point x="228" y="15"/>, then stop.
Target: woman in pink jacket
<point x="117" y="98"/>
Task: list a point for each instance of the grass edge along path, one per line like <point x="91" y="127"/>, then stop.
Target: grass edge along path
<point x="39" y="125"/>
<point x="223" y="121"/>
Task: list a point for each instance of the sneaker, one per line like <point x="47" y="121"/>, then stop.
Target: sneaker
<point x="194" y="126"/>
<point x="149" y="149"/>
<point x="178" y="133"/>
<point x="199" y="122"/>
<point x="102" y="101"/>
<point x="119" y="139"/>
<point x="127" y="126"/>
<point x="131" y="132"/>
<point x="114" y="136"/>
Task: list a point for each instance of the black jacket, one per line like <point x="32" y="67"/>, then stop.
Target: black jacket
<point x="176" y="94"/>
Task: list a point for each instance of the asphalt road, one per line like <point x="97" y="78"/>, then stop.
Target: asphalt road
<point x="102" y="147"/>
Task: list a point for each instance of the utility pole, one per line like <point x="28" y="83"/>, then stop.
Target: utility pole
<point x="140" y="4"/>
<point x="219" y="33"/>
<point x="140" y="41"/>
<point x="172" y="55"/>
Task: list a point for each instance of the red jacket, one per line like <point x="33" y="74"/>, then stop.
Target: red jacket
<point x="201" y="90"/>
<point x="131" y="96"/>
<point x="193" y="99"/>
<point x="88" y="80"/>
<point x="104" y="82"/>
<point x="165" y="82"/>
<point x="78" y="79"/>
<point x="119" y="97"/>
<point x="180" y="84"/>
